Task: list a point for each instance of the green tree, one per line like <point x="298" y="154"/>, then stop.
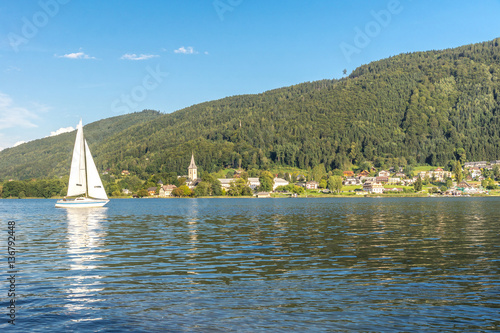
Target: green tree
<point x="335" y="184"/>
<point x="318" y="172"/>
<point x="203" y="189"/>
<point x="142" y="193"/>
<point x="457" y="170"/>
<point x="266" y="181"/>
<point x="490" y="185"/>
<point x="418" y="185"/>
<point x="496" y="172"/>
<point x="297" y="189"/>
<point x="182" y="191"/>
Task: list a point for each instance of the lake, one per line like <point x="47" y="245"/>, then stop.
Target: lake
<point x="255" y="265"/>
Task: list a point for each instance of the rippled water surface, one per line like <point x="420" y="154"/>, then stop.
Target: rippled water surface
<point x="256" y="265"/>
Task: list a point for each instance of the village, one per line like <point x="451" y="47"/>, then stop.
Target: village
<point x="476" y="178"/>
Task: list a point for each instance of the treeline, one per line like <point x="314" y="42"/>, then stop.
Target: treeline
<point x="41" y="188"/>
<point x="431" y="108"/>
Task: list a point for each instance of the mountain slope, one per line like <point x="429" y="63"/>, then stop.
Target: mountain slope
<point x="51" y="156"/>
<point x="424" y="107"/>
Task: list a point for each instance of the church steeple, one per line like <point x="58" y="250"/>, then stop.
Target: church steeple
<point x="192" y="169"/>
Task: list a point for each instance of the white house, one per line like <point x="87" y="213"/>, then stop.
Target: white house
<point x="475" y="172"/>
<point x="279" y="182"/>
<point x="373" y="187"/>
<point x="312" y="185"/>
<point x="352" y="181"/>
<point x="384" y="173"/>
<point x="225" y="183"/>
<point x="166" y="190"/>
<point x="253" y="183"/>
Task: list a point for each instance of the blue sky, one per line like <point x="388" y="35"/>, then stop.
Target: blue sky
<point x="62" y="60"/>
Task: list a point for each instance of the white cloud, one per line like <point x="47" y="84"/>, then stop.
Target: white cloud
<point x="133" y="56"/>
<point x="18" y="143"/>
<point x="76" y="55"/>
<point x="185" y="50"/>
<point x="13" y="69"/>
<point x="62" y="130"/>
<point x="12" y="115"/>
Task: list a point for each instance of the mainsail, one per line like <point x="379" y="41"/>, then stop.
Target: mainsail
<point x="77" y="178"/>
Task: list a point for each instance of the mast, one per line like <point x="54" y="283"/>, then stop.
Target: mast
<point x="85" y="163"/>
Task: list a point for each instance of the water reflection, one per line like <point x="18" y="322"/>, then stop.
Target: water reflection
<point x="85" y="248"/>
<point x="215" y="265"/>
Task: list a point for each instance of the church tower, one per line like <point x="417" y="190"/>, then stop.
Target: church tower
<point x="192" y="169"/>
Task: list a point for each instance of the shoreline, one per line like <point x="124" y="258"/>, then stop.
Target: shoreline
<point x="278" y="196"/>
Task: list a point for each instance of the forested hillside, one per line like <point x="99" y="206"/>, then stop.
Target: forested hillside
<point x="49" y="157"/>
<point x="426" y="107"/>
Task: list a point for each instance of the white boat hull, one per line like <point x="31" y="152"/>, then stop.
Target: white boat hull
<point x="81" y="203"/>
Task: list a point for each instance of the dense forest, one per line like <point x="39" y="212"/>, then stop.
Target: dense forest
<point x="417" y="108"/>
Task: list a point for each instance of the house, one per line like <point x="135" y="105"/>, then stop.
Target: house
<point x="253" y="182"/>
<point x="225" y="183"/>
<point x="359" y="191"/>
<point x="312" y="185"/>
<point x="279" y="182"/>
<point x="382" y="179"/>
<point x="466" y="188"/>
<point x="475" y="172"/>
<point x="373" y="187"/>
<point x="125" y="173"/>
<point x="409" y="181"/>
<point x="263" y="195"/>
<point x="352" y="181"/>
<point x="166" y="190"/>
<point x="349" y="173"/>
<point x="394" y="180"/>
<point x="394" y="189"/>
<point x="126" y="191"/>
<point x="440" y="175"/>
<point x="152" y="190"/>
<point x="463" y="185"/>
<point x="400" y="175"/>
<point x="369" y="179"/>
<point x="384" y="173"/>
<point x="480" y="164"/>
<point x="363" y="173"/>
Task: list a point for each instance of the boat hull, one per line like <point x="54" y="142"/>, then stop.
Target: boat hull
<point x="81" y="203"/>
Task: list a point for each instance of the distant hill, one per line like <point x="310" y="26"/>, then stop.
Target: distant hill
<point x="424" y="107"/>
<point x="51" y="156"/>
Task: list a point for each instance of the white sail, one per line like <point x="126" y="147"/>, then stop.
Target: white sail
<point x="95" y="188"/>
<point x="77" y="179"/>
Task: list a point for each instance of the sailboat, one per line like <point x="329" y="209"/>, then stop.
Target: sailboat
<point x="83" y="178"/>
